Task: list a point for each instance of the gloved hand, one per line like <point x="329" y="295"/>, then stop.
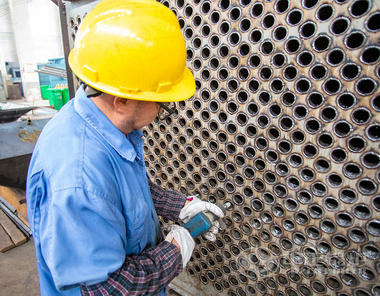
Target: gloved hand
<point x="184" y="240"/>
<point x="196" y="206"/>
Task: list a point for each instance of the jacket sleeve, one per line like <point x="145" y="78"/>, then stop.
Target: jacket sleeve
<point x="146" y="273"/>
<point x="167" y="203"/>
<point x="83" y="240"/>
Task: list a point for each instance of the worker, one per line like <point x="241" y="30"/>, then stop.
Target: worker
<point x="93" y="211"/>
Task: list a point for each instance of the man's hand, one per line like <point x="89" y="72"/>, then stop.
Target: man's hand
<point x="194" y="206"/>
<point x="182" y="239"/>
<point x="174" y="242"/>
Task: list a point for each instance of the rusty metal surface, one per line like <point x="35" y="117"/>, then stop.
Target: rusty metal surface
<point x="285" y="125"/>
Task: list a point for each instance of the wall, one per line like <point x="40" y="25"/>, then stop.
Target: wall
<point x="30" y="34"/>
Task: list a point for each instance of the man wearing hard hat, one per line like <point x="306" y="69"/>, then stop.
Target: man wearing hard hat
<point x="92" y="210"/>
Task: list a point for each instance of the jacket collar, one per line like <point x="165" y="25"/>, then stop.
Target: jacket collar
<point x="110" y="133"/>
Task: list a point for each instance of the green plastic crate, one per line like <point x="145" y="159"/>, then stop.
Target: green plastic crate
<point x="66" y="96"/>
<point x="44" y="89"/>
<point x="55" y="98"/>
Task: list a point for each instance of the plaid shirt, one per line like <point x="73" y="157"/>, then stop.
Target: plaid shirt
<point x="151" y="271"/>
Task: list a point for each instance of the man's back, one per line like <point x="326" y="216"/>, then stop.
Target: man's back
<point x="88" y="199"/>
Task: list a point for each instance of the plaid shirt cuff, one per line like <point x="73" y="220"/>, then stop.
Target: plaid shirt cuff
<point x="147" y="273"/>
<point x="167" y="203"/>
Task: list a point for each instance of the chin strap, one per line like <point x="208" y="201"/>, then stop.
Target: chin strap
<point x="91" y="92"/>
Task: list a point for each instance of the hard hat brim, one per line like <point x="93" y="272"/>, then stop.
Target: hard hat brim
<point x="182" y="90"/>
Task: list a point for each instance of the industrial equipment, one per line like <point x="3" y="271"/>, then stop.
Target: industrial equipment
<point x="284" y="126"/>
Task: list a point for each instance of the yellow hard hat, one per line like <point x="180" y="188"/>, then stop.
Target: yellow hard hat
<point x="133" y="49"/>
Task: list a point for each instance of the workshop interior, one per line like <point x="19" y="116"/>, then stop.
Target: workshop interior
<point x="283" y="131"/>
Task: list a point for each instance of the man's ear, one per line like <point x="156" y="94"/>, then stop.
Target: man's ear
<point x="120" y="104"/>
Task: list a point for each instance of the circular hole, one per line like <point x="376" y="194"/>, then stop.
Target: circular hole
<point x="256" y="36"/>
<point x="224" y="4"/>
<point x="348" y="195"/>
<point x="268" y="21"/>
<point x="344" y="219"/>
<point x="327" y="226"/>
<point x="342" y="129"/>
<point x="338" y="155"/>
<point x="370" y="160"/>
<point x="352" y="170"/>
<point x="245" y="25"/>
<point x="224" y="27"/>
<point x="264" y="97"/>
<point x="292" y="45"/>
<point x="315" y="100"/>
<point x="309" y="4"/>
<point x="244" y="50"/>
<point x="354" y="40"/>
<point x="234" y="38"/>
<point x="367" y="186"/>
<point x="278" y="60"/>
<point x="350" y="71"/>
<point x="299" y="238"/>
<point x="288" y="99"/>
<point x="257" y="9"/>
<point x="284" y="146"/>
<point x="294" y="17"/>
<point x="360" y="8"/>
<point x="281" y="191"/>
<point x="373" y="22"/>
<point x="373" y="132"/>
<point x="325" y="12"/>
<point x="318" y="72"/>
<point x="307" y="174"/>
<point x="319" y="189"/>
<point x="304" y="197"/>
<point x="370" y="55"/>
<point x="332" y="86"/>
<point x="361" y="116"/>
<point x="286" y="123"/>
<point x="365" y="86"/>
<point x="235" y="14"/>
<point x="356" y="144"/>
<point x="298" y="137"/>
<point x="339" y="25"/>
<point x="312" y="125"/>
<point x="340" y="241"/>
<point x="310" y="151"/>
<point x="281" y="6"/>
<point x="265" y="73"/>
<point x="346" y="101"/>
<point x="282" y="169"/>
<point x="376" y="103"/>
<point x="273" y="133"/>
<point x="295" y="160"/>
<point x="277" y="85"/>
<point x="305" y="58"/>
<point x="321" y="43"/>
<point x="243" y="73"/>
<point x="335" y="57"/>
<point x="322" y="165"/>
<point x="324" y="247"/>
<point x="280" y="33"/>
<point x="307" y="30"/>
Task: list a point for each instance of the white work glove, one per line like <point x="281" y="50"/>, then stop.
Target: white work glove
<point x="196" y="206"/>
<point x="184" y="240"/>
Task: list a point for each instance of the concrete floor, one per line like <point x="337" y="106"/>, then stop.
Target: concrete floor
<point x="18" y="271"/>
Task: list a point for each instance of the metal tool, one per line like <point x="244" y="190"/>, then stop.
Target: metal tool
<point x="202" y="222"/>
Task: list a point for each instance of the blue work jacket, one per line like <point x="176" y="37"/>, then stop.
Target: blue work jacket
<point x="88" y="198"/>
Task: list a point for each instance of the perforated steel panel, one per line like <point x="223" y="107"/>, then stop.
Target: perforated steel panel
<point x="284" y="126"/>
